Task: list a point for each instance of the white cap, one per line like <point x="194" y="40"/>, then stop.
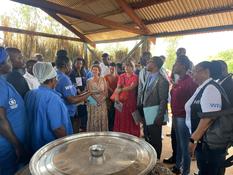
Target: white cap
<point x="44" y="71"/>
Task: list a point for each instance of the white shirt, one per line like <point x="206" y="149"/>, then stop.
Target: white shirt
<point x="32" y="81"/>
<point x="104" y="69"/>
<point x="210" y="101"/>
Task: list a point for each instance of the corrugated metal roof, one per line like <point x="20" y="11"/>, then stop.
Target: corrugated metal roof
<point x="161" y="17"/>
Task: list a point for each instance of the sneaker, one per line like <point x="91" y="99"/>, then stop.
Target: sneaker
<point x="170" y="160"/>
<point x="175" y="170"/>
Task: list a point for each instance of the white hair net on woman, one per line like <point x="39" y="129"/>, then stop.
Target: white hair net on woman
<point x="44" y="71"/>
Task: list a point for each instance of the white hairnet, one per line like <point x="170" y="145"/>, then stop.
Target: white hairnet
<point x="44" y="71"/>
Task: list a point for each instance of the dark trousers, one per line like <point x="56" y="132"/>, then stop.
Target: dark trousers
<point x="210" y="162"/>
<point x="111" y="116"/>
<point x="79" y="121"/>
<point x="82" y="116"/>
<point x="153" y="136"/>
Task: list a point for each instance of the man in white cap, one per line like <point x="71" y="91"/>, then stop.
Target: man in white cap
<point x="48" y="115"/>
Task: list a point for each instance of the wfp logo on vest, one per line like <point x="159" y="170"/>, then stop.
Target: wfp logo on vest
<point x="197" y="102"/>
<point x="215" y="105"/>
<point x="68" y="87"/>
<point x="12" y="103"/>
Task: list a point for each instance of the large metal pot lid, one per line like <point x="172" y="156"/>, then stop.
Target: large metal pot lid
<point x="99" y="153"/>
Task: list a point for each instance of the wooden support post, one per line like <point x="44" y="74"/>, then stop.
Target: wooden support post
<point x="69" y="27"/>
<point x="132" y="51"/>
<point x="93" y="54"/>
<point x="146" y="46"/>
<point x="85" y="56"/>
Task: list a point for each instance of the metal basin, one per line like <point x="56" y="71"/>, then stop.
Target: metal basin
<point x="99" y="153"/>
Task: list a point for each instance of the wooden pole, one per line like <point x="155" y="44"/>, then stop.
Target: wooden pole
<point x="70" y="27"/>
<point x="85" y="54"/>
<point x="132" y="51"/>
<point x="27" y="32"/>
<point x="93" y="53"/>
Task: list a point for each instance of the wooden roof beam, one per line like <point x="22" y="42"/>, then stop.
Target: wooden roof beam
<point x="69" y="27"/>
<point x="147" y="3"/>
<point x="134" y="6"/>
<point x="204" y="12"/>
<point x="119" y="40"/>
<point x="79" y="15"/>
<point x="130" y="12"/>
<point x="27" y="32"/>
<point x="82" y="3"/>
<point x="199" y="13"/>
<point x="195" y="31"/>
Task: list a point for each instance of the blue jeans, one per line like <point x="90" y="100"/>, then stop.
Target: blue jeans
<point x="210" y="162"/>
<point x="182" y="140"/>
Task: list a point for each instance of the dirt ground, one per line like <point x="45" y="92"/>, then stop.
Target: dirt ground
<point x="166" y="152"/>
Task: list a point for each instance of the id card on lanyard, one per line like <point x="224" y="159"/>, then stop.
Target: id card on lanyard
<point x="79" y="81"/>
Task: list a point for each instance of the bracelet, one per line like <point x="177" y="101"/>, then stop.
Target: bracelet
<point x="193" y="141"/>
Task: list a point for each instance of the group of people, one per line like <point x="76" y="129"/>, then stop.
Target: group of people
<point x="197" y="94"/>
<point x="41" y="102"/>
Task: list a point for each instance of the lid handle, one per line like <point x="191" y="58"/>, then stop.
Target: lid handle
<point x="97" y="150"/>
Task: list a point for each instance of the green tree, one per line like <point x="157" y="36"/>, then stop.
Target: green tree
<point x="227" y="56"/>
<point x="33" y="19"/>
<point x="171" y="51"/>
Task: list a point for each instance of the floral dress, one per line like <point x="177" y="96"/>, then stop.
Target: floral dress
<point x="97" y="114"/>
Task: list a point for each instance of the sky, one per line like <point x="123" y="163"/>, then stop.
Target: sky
<point x="199" y="46"/>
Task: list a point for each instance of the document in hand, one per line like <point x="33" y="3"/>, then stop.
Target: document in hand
<point x="137" y="117"/>
<point x="91" y="101"/>
<point x="118" y="106"/>
<point x="151" y="113"/>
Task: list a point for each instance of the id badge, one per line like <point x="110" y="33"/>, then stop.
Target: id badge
<point x="79" y="81"/>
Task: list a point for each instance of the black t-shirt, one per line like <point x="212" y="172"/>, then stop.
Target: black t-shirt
<point x="74" y="74"/>
<point x="18" y="82"/>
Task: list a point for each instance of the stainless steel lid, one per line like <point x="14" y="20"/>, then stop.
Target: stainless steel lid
<point x="99" y="153"/>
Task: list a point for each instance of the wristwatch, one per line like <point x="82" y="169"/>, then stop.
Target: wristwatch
<point x="193" y="141"/>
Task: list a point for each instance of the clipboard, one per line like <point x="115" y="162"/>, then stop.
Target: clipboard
<point x="151" y="113"/>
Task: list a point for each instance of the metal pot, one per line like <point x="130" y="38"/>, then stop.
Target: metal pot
<point x="99" y="153"/>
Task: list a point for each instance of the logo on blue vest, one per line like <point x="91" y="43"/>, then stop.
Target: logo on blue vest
<point x="13" y="104"/>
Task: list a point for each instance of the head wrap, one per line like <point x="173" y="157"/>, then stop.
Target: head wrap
<point x="3" y="55"/>
<point x="44" y="71"/>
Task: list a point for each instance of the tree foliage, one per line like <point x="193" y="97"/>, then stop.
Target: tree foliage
<point x="33" y="19"/>
<point x="171" y="51"/>
<point x="226" y="56"/>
